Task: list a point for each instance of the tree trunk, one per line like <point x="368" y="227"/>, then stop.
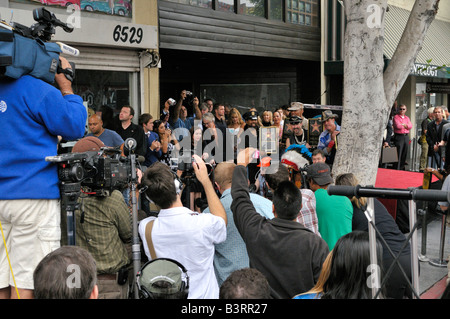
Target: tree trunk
<point x="368" y="93"/>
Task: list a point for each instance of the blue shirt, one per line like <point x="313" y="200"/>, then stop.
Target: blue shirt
<point x="232" y="254"/>
<point x="325" y="138"/>
<point x="183" y="128"/>
<point x="32" y="114"/>
<point x="110" y="138"/>
<point x="313" y="295"/>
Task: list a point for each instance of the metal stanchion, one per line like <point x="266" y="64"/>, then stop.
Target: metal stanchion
<point x="414" y="255"/>
<point x="440" y="262"/>
<point x="370" y="214"/>
<point x="423" y="251"/>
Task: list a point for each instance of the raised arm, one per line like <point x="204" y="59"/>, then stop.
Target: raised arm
<point x="214" y="204"/>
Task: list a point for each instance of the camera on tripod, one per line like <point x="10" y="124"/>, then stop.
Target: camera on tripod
<point x="98" y="173"/>
<point x="26" y="50"/>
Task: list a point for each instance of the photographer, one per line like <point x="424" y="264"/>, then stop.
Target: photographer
<point x="34" y="113"/>
<point x="180" y="119"/>
<point x="179" y="233"/>
<point x="103" y="227"/>
<point x="274" y="245"/>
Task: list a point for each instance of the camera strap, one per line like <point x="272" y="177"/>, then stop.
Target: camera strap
<point x="148" y="237"/>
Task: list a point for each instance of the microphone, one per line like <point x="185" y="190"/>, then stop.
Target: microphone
<point x="130" y="144"/>
<point x="67" y="49"/>
<point x="140" y="159"/>
<point x="326" y="90"/>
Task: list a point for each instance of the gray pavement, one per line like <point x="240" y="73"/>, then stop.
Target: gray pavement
<point x="430" y="274"/>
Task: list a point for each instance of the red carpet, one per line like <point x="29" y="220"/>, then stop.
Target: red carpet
<point x="391" y="178"/>
<point x="435" y="292"/>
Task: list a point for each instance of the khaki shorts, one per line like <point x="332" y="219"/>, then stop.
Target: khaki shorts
<point x="31" y="229"/>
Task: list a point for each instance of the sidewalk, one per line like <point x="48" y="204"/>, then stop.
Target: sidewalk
<point x="432" y="279"/>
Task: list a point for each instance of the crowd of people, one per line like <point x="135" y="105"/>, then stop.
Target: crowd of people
<point x="434" y="135"/>
<point x="221" y="214"/>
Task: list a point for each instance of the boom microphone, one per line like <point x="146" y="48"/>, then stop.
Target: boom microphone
<point x="389" y="193"/>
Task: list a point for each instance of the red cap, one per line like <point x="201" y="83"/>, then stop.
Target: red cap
<point x="265" y="162"/>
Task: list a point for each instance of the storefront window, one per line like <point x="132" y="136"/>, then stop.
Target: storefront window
<point x="426" y="99"/>
<point x="245" y="96"/>
<point x="104" y="89"/>
<point x="253" y="8"/>
<point x="226" y="5"/>
<point x="303" y="12"/>
<point x="276" y="10"/>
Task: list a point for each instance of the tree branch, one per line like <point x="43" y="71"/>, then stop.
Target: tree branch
<point x="422" y="14"/>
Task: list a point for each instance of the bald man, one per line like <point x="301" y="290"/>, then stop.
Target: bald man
<point x="108" y="137"/>
<point x="231" y="254"/>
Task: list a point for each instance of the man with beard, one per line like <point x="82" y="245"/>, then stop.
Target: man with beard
<point x="298" y="135"/>
<point x="328" y="139"/>
<point x="109" y="137"/>
<point x="128" y="129"/>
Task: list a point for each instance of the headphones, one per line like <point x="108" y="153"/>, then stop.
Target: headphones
<point x="176" y="180"/>
<point x="178" y="183"/>
<point x="181" y="294"/>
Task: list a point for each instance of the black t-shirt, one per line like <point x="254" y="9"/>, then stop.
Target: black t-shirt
<point x="385" y="224"/>
<point x="136" y="132"/>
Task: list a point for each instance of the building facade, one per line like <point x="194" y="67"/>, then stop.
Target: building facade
<point x="116" y="40"/>
<point x="258" y="53"/>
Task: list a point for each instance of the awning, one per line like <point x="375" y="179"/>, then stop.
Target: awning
<point x="435" y="46"/>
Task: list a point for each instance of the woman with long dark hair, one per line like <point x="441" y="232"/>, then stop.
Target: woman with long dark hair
<point x="351" y="269"/>
<point x="390" y="237"/>
<point x="167" y="140"/>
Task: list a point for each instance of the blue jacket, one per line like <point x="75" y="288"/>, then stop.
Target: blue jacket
<point x="152" y="156"/>
<point x="32" y="114"/>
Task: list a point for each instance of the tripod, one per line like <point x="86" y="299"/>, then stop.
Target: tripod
<point x="70" y="192"/>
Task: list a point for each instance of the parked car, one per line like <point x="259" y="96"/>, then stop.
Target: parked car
<point x="63" y="3"/>
<point x="103" y="6"/>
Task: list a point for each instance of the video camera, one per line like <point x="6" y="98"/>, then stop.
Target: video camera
<point x="97" y="173"/>
<point x="23" y="50"/>
<point x="189" y="179"/>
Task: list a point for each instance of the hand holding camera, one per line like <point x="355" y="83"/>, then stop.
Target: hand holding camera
<point x="64" y="84"/>
<point x="245" y="156"/>
<point x="200" y="169"/>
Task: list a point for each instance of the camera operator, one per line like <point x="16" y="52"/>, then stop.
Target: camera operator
<point x="33" y="114"/>
<point x="179" y="233"/>
<point x="103" y="227"/>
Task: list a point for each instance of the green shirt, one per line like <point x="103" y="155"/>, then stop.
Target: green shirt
<point x="105" y="231"/>
<point x="334" y="214"/>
